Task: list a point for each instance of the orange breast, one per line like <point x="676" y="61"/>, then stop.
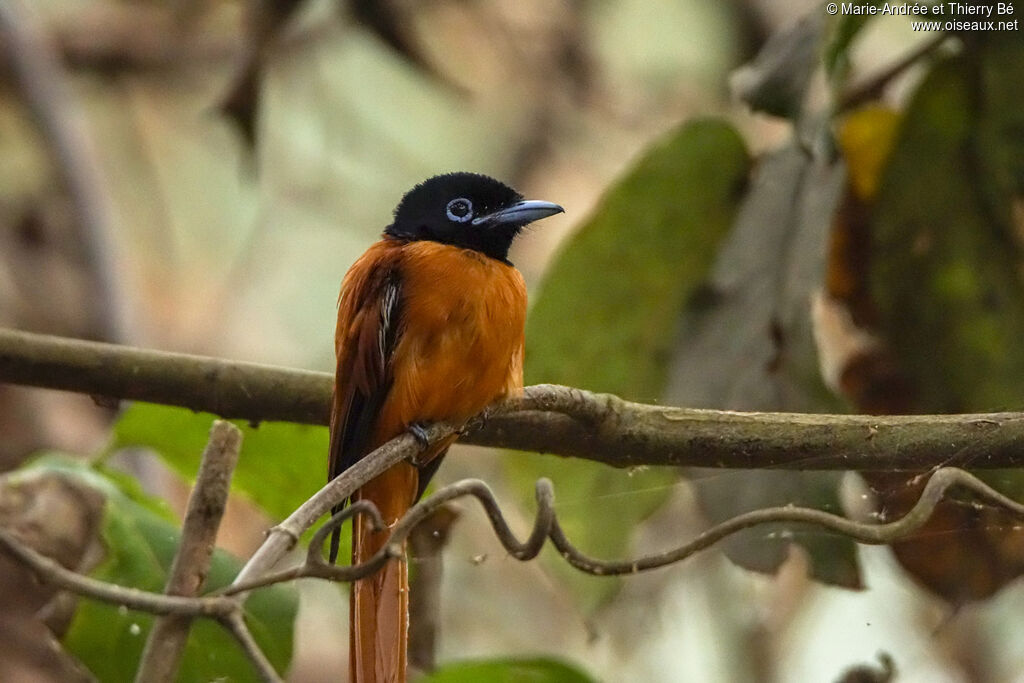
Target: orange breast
<point x="461" y="342"/>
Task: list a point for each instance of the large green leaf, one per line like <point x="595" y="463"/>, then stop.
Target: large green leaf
<point x="608" y="308"/>
<point x="508" y="670"/>
<point x="139" y="545"/>
<point x="281" y="465"/>
<point x="607" y="314"/>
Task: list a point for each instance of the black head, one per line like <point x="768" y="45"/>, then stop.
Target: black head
<point x="466" y="210"/>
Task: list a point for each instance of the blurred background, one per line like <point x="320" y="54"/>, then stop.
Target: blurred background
<point x="198" y="176"/>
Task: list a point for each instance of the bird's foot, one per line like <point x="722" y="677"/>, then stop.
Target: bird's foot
<point x="419" y="432"/>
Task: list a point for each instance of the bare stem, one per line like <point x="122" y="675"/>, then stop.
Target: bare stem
<point x="52" y="573"/>
<point x="166" y="642"/>
<point x="236" y="626"/>
<point x="546" y="526"/>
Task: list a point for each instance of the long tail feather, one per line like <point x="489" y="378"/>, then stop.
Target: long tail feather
<point x="379" y="607"/>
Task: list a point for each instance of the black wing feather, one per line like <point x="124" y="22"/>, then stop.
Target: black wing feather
<point x="351" y="440"/>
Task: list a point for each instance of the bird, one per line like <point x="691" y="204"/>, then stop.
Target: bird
<point x="430" y="328"/>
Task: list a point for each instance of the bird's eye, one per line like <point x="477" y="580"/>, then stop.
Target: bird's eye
<point x="459" y="210"/>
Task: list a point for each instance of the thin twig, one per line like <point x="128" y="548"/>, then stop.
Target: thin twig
<point x="37" y="66"/>
<point x="235" y="624"/>
<point x="284" y="536"/>
<point x="546" y="526"/>
<point x="545" y="419"/>
<point x="227" y="609"/>
<point x="166" y="641"/>
<point x="52" y="573"/>
<point x="870" y="88"/>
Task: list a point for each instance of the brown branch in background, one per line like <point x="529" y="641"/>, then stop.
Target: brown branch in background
<point x="871" y="88"/>
<point x="427" y="541"/>
<point x="134" y="37"/>
<point x="545" y="419"/>
<point x="41" y="77"/>
<point x="166" y="642"/>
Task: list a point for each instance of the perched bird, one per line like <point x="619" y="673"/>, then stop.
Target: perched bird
<point x="430" y="328"/>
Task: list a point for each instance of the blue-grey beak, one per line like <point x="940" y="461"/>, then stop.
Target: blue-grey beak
<point x="520" y="213"/>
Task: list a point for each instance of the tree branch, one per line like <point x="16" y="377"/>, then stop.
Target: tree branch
<point x="285" y="535"/>
<point x="225" y="605"/>
<point x="546" y="418"/>
<point x="546" y="526"/>
<point x="873" y="86"/>
<point x="225" y="388"/>
<point x="52" y="573"/>
<point x="166" y="642"/>
<point x="236" y="626"/>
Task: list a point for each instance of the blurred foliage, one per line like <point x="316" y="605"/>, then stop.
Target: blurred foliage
<point x="945" y="276"/>
<point x="622" y="281"/>
<point x="747" y="344"/>
<point x="538" y="670"/>
<point x="845" y="29"/>
<point x="947" y="269"/>
<point x="139" y="543"/>
<point x="776" y="81"/>
<point x="625" y="276"/>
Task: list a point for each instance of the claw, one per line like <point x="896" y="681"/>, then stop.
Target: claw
<point x="419" y="431"/>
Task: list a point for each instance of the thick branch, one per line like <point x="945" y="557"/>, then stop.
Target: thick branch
<point x="166" y="641"/>
<point x="547" y="418"/>
<point x="225" y="388"/>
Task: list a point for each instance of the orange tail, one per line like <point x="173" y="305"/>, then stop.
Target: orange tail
<point x="379" y="608"/>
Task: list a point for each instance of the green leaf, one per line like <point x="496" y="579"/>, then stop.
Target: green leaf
<point x="606" y="318"/>
<point x="281" y="465"/>
<point x="508" y="670"/>
<point x="139" y="546"/>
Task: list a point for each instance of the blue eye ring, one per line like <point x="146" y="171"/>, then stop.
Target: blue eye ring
<point x="459" y="210"/>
